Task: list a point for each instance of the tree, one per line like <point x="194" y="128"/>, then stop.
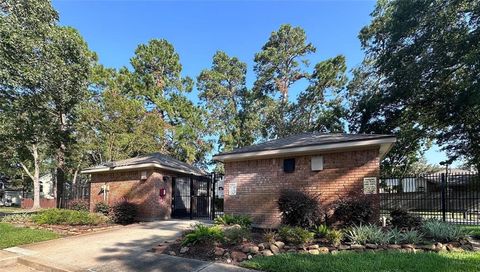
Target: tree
<point x="158" y="82"/>
<point x="282" y="63"/>
<point x="426" y="56"/>
<point x="223" y="92"/>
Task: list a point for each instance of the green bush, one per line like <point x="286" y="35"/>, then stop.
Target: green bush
<point x="364" y="234"/>
<point x="79" y="205"/>
<point x="231" y="219"/>
<point x="335" y="237"/>
<point x="124" y="213"/>
<point x="442" y="231"/>
<point x="269" y="236"/>
<point x="68" y="217"/>
<point x="412" y="237"/>
<point x="401" y="218"/>
<point x="321" y="231"/>
<point x="295" y="235"/>
<point x="102" y="207"/>
<point x="202" y="234"/>
<point x="353" y="210"/>
<point x="300" y="209"/>
<point x="236" y="235"/>
<point x="396" y="236"/>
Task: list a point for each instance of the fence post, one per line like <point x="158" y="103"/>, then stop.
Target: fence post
<point x="191" y="197"/>
<point x="443" y="196"/>
<point x="213" y="183"/>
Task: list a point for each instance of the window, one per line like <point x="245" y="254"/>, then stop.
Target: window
<point x="317" y="163"/>
<point x="289" y="165"/>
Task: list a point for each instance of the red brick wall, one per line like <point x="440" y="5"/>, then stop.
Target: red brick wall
<point x="143" y="193"/>
<point x="260" y="181"/>
<point x="27" y="203"/>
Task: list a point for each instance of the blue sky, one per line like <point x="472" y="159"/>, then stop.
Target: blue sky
<point x="198" y="29"/>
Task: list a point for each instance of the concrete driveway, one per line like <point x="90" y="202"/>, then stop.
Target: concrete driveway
<point x="120" y="249"/>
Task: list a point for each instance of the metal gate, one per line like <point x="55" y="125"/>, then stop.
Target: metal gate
<point x="192" y="197"/>
<point x="449" y="197"/>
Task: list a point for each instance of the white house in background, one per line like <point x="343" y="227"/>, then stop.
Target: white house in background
<point x="47" y="183"/>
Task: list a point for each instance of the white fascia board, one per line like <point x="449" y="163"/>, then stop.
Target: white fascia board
<point x="136" y="167"/>
<point x="385" y="145"/>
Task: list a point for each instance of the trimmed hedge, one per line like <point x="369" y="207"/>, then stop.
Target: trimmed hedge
<point x="68" y="217"/>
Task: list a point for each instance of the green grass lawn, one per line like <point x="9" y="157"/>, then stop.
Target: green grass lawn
<point x="13" y="236"/>
<point x="11" y="210"/>
<point x="379" y="261"/>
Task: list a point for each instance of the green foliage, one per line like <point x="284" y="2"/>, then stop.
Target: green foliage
<point x="396" y="236"/>
<point x="322" y="231"/>
<point x="102" y="207"/>
<point x="295" y="235"/>
<point x="364" y="234"/>
<point x="79" y="205"/>
<point x="124" y="212"/>
<point x="412" y="237"/>
<point x="401" y="218"/>
<point x="300" y="209"/>
<point x="420" y="67"/>
<point x="244" y="221"/>
<point x="355" y="209"/>
<point x="269" y="236"/>
<point x="235" y="235"/>
<point x="202" y="234"/>
<point x="442" y="231"/>
<point x="68" y="217"/>
<point x="335" y="237"/>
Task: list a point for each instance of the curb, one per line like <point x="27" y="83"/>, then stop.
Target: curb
<point x="43" y="265"/>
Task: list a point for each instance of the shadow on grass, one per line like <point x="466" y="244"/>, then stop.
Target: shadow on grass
<point x="353" y="261"/>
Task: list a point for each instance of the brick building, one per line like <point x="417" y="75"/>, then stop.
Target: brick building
<point x="333" y="165"/>
<point x="158" y="184"/>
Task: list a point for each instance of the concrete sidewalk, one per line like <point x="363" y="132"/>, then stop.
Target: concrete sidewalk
<point x="120" y="249"/>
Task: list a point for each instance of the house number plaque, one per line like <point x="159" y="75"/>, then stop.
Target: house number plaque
<point x="370" y="185"/>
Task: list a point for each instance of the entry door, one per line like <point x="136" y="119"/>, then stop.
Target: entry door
<point x="181" y="197"/>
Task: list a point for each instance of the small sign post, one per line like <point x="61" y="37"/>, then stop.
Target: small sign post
<point x="370" y="185"/>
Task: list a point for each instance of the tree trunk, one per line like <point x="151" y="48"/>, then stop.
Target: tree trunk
<point x="36" y="179"/>
<point x="61" y="159"/>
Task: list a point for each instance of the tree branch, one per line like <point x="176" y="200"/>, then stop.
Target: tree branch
<point x="27" y="171"/>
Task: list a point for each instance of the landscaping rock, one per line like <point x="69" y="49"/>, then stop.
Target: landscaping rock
<point x="410" y="246"/>
<point x="184" y="250"/>
<point x="371" y="246"/>
<point x="323" y="249"/>
<point x="357" y="247"/>
<point x="219" y="251"/>
<point x="172" y="253"/>
<point x="314" y="251"/>
<point x="238" y="256"/>
<point x="249" y="256"/>
<point x="394" y="246"/>
<point x="275" y="250"/>
<point x="279" y="244"/>
<point x="229" y="260"/>
<point x="313" y="247"/>
<point x="246" y="248"/>
<point x="253" y="249"/>
<point x="267" y="252"/>
<point x="261" y="246"/>
<point x="343" y="247"/>
<point x="439" y="247"/>
<point x="428" y="247"/>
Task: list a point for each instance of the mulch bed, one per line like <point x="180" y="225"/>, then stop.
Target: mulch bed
<point x="67" y="230"/>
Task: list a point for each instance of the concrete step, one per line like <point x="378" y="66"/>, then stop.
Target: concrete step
<point x="17" y="268"/>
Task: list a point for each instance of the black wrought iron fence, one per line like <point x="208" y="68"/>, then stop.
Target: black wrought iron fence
<point x="449" y="197"/>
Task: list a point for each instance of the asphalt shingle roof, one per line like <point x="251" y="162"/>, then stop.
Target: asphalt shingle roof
<point x="306" y="139"/>
<point x="157" y="158"/>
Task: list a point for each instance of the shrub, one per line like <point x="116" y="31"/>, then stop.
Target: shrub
<point x="335" y="237"/>
<point x="68" y="217"/>
<point x="442" y="231"/>
<point x="269" y="236"/>
<point x="300" y="209"/>
<point x="236" y="235"/>
<point x="295" y="235"/>
<point x="202" y="234"/>
<point x="230" y="219"/>
<point x="322" y="231"/>
<point x="102" y="207"/>
<point x="364" y="234"/>
<point x="396" y="236"/>
<point x="355" y="209"/>
<point x="411" y="237"/>
<point x="21" y="218"/>
<point x="124" y="212"/>
<point x="79" y="205"/>
<point x="401" y="218"/>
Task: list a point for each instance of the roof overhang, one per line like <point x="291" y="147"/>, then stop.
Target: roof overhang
<point x="384" y="145"/>
<point x="137" y="167"/>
